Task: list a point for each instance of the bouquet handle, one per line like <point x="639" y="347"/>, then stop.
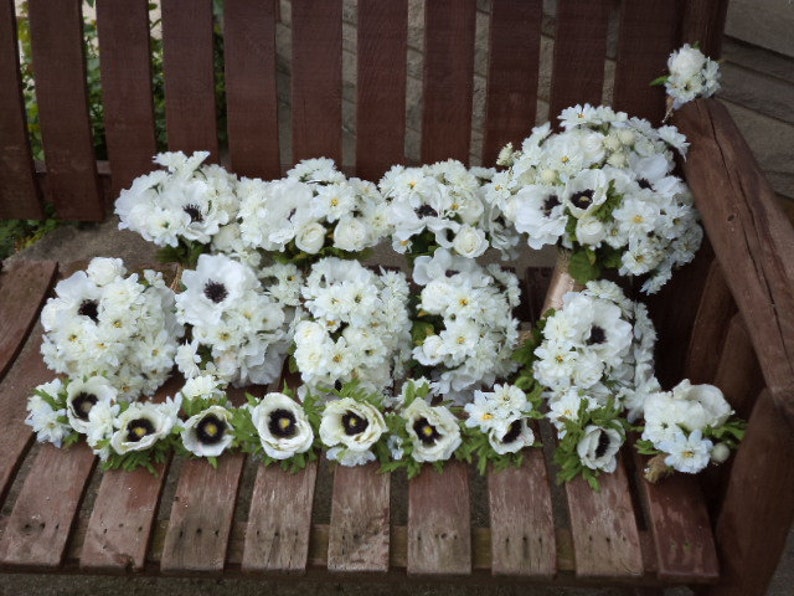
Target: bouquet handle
<point x="561" y="283"/>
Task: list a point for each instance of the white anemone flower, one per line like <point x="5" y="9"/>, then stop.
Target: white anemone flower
<point x="83" y="396"/>
<point x="353" y="426"/>
<point x="512" y="436"/>
<point x="208" y="433"/>
<point x="598" y="448"/>
<point x="433" y="431"/>
<point x="282" y="425"/>
<point x="142" y="424"/>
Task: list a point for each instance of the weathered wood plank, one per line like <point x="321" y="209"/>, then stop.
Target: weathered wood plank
<point x="522" y="521"/>
<point x="359" y="534"/>
<point x="23" y="288"/>
<point x="439" y="524"/>
<point x="37" y="530"/>
<point x="680" y="525"/>
<point x="752" y="238"/>
<point x="704" y="23"/>
<point x="649" y="31"/>
<point x="126" y="68"/>
<point x="189" y="76"/>
<point x="752" y="528"/>
<point x="605" y="535"/>
<point x="381" y="86"/>
<point x="251" y="96"/>
<point x="580" y="45"/>
<point x="513" y="71"/>
<point x="448" y="79"/>
<point x="279" y="521"/>
<point x="57" y="37"/>
<point x="317" y="79"/>
<point x="201" y="515"/>
<point x="738" y="373"/>
<point x="18" y="194"/>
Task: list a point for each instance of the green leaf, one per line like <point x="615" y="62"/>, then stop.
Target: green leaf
<point x="583" y="266"/>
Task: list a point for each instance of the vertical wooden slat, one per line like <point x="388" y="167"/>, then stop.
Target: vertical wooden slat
<point x="448" y="79"/>
<point x="649" y="31"/>
<point x="359" y="533"/>
<point x="738" y="373"/>
<point x="757" y="511"/>
<point x="439" y="524"/>
<point x="280" y="520"/>
<point x="381" y="82"/>
<point x="189" y="76"/>
<point x="512" y="74"/>
<point x="580" y="43"/>
<point x="201" y="515"/>
<point x="522" y="522"/>
<point x="18" y="195"/>
<point x="251" y="96"/>
<point x="37" y="531"/>
<point x="125" y="60"/>
<point x="317" y="79"/>
<point x="704" y="24"/>
<point x="59" y="62"/>
<point x="605" y="535"/>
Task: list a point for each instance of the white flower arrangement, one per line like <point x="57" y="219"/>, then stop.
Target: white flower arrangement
<point x="103" y="322"/>
<point x="691" y="75"/>
<point x="237" y="331"/>
<point x="688" y="428"/>
<point x="354" y="325"/>
<point x="464" y="332"/>
<point x="604" y="189"/>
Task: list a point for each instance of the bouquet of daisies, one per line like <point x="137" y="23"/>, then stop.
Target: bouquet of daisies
<point x="103" y="322"/>
<point x="464" y="332"/>
<point x="603" y="188"/>
<point x="314" y="212"/>
<point x="180" y="208"/>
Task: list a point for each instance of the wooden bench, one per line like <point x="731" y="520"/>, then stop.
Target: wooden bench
<point x="728" y="318"/>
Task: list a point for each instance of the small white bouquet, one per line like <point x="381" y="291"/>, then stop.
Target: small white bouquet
<point x="691" y="75"/>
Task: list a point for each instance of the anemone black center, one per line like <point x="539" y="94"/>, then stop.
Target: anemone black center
<point x="583" y="199"/>
<point x="215" y="291"/>
<point x="137" y="429"/>
<point x="597" y="335"/>
<point x="426" y="432"/>
<point x="549" y="204"/>
<point x="90" y="309"/>
<point x="82" y="404"/>
<point x="194" y="212"/>
<point x="282" y="424"/>
<point x="644" y="183"/>
<point x="353" y="423"/>
<point x="513" y="432"/>
<point x="426" y="211"/>
<point x="211" y="430"/>
<point x="603" y="444"/>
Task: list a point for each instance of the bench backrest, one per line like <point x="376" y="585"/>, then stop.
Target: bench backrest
<point x="625" y="42"/>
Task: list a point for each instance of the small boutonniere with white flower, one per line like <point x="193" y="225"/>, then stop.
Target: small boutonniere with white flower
<point x="691" y="75"/>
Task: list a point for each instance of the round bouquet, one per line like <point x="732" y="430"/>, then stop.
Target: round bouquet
<point x="103" y="322"/>
<point x="237" y="331"/>
<point x="464" y="332"/>
<point x="603" y="189"/>
<point x="354" y="325"/>
<point x="313" y="213"/>
<point x="442" y="205"/>
<point x="180" y="208"/>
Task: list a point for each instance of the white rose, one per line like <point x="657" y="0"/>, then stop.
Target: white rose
<point x="310" y="238"/>
<point x="590" y="231"/>
<point x="104" y="270"/>
<point x="351" y="234"/>
<point x="599" y="447"/>
<point x="687" y="62"/>
<point x="470" y="242"/>
<point x="701" y="405"/>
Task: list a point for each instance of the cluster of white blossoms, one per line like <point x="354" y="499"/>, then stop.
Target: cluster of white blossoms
<point x="102" y="321"/>
<point x="237" y="331"/>
<point x="503" y="415"/>
<point x="315" y="211"/>
<point x="683" y="422"/>
<point x="692" y="75"/>
<point x="603" y="188"/>
<point x="442" y="205"/>
<point x="354" y="325"/>
<point x="468" y="330"/>
<point x="596" y="355"/>
<point x="187" y="201"/>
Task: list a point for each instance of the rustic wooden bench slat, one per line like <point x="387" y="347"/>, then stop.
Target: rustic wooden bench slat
<point x="251" y="96"/>
<point x="189" y="76"/>
<point x="317" y="79"/>
<point x="448" y="80"/>
<point x="381" y="86"/>
<point x="58" y="57"/>
<point x="18" y="192"/>
<point x="738" y="373"/>
<point x="513" y="74"/>
<point x="124" y="45"/>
